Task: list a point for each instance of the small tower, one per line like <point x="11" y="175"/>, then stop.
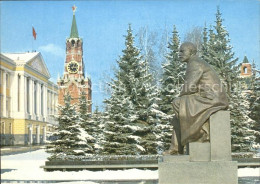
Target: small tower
<point x="74" y="80"/>
<point x="246" y="70"/>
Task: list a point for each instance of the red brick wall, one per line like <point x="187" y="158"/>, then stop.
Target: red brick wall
<point x="246" y="69"/>
<point x="74" y="90"/>
<point x="74" y="52"/>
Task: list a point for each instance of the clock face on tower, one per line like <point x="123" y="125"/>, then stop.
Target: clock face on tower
<point x="73" y="67"/>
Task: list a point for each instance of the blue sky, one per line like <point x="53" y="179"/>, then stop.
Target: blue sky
<point x="102" y="25"/>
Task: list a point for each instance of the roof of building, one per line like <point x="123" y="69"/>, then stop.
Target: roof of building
<point x="245" y="60"/>
<point x="33" y="60"/>
<point x="21" y="57"/>
<point x="74" y="29"/>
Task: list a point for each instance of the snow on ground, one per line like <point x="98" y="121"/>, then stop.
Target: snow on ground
<point x="246" y="172"/>
<point x="26" y="166"/>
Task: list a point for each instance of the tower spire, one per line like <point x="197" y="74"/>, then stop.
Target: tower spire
<point x="74" y="29"/>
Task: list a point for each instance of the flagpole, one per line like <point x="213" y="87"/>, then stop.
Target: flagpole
<point x="32" y="39"/>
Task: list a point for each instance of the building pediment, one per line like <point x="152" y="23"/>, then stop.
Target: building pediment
<point x="31" y="62"/>
<point x="37" y="63"/>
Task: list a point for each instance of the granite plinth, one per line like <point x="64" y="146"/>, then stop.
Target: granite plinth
<point x="207" y="163"/>
<point x="220" y="136"/>
<point x="177" y="158"/>
<point x="199" y="152"/>
<point x="224" y="172"/>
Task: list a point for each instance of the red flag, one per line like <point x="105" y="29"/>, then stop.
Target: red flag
<point x="34" y="33"/>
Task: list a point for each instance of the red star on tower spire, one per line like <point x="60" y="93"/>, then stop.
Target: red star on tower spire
<point x="74" y="9"/>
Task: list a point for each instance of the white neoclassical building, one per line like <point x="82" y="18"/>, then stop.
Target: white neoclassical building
<point x="28" y="99"/>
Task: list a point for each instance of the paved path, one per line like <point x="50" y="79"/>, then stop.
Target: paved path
<point x="11" y="150"/>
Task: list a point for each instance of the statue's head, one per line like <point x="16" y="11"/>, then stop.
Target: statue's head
<point x="187" y="49"/>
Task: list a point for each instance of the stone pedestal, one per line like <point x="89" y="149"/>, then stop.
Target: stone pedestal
<point x="220" y="136"/>
<point x="216" y="172"/>
<point x="199" y="152"/>
<point x="208" y="163"/>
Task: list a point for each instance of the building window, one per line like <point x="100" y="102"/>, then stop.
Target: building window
<point x="42" y="99"/>
<point x="73" y="43"/>
<point x="35" y="98"/>
<point x="28" y="94"/>
<point x="245" y="70"/>
<point x="18" y="92"/>
<point x="3" y="128"/>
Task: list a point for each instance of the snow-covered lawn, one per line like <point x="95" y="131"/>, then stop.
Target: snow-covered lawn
<point x="26" y="166"/>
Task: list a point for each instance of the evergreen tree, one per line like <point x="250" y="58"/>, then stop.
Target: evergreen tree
<point x="148" y="110"/>
<point x="254" y="100"/>
<point x="97" y="124"/>
<point x="131" y="110"/>
<point x="70" y="141"/>
<point x="204" y="46"/>
<point x="242" y="135"/>
<point x="173" y="74"/>
<point x="85" y="120"/>
<point x="148" y="44"/>
<point x="217" y="51"/>
<point x="119" y="123"/>
<point x="172" y="79"/>
<point x="84" y="113"/>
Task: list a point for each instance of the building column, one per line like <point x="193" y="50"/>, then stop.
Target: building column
<point x="25" y="95"/>
<point x="52" y="103"/>
<point x="31" y="83"/>
<point x="39" y="100"/>
<point x="12" y="77"/>
<point x="55" y="103"/>
<point x="46" y="101"/>
<point x="22" y="94"/>
<point x="4" y="93"/>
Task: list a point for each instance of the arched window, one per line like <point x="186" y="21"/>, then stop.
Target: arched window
<point x="73" y="43"/>
<point x="245" y="70"/>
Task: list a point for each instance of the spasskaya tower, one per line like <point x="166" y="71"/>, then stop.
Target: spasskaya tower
<point x="74" y="80"/>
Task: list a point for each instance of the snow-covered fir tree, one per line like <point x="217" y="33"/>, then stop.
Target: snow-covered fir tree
<point x="119" y="123"/>
<point x="242" y="135"/>
<point x="172" y="79"/>
<point x="85" y="121"/>
<point x="217" y="51"/>
<point x="70" y="138"/>
<point x="83" y="107"/>
<point x="131" y="111"/>
<point x="97" y="122"/>
<point x="254" y="100"/>
<point x="173" y="74"/>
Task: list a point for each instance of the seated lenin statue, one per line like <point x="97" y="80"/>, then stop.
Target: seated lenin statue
<point x="202" y="95"/>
